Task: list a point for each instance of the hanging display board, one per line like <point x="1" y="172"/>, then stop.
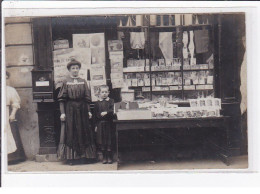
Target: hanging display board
<point x="115" y="48"/>
<point x="96" y="43"/>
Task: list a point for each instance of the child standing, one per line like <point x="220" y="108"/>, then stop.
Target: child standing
<point x="103" y="115"/>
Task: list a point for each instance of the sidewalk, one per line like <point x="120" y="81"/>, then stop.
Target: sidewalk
<point x="239" y="162"/>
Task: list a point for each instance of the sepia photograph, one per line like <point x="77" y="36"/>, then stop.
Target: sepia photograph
<point x="124" y="92"/>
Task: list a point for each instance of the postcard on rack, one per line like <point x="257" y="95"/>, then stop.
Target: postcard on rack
<point x="116" y="64"/>
<point x="97" y="72"/>
<point x="115" y="45"/>
<point x="98" y="55"/>
<point x="116" y="55"/>
<point x="116" y="76"/>
<point x="117" y="83"/>
<point x="117" y="70"/>
<point x="60" y="44"/>
<point x="80" y="41"/>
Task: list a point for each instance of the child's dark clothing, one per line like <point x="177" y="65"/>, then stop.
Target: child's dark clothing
<point x="104" y="124"/>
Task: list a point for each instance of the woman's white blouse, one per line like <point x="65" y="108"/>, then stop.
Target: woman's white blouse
<point x="12" y="97"/>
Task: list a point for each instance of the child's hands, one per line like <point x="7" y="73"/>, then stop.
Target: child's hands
<point x="103" y="114"/>
<point x="63" y="117"/>
<point x="12" y="117"/>
<point x="90" y="115"/>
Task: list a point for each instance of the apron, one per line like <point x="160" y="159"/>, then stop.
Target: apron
<point x="11" y="146"/>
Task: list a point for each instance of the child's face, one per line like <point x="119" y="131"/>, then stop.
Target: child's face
<point x="103" y="93"/>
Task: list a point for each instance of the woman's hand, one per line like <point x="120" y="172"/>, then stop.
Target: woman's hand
<point x="63" y="117"/>
<point x="90" y="115"/>
<point x="12" y="118"/>
<point x="103" y="114"/>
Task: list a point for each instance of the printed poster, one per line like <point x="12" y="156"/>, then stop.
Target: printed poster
<point x="94" y="40"/>
<point x="115" y="45"/>
<point x="80" y="41"/>
<point x="98" y="56"/>
<point x="97" y="72"/>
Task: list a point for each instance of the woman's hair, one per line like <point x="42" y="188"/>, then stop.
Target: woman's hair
<point x="72" y="63"/>
<point x="102" y="86"/>
<point x="7" y="74"/>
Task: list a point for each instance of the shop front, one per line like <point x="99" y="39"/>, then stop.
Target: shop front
<point x="174" y="78"/>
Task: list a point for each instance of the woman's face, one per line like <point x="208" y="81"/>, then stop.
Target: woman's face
<point x="74" y="70"/>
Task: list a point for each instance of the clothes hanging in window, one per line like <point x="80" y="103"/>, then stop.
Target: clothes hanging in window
<point x="201" y="38"/>
<point x="154" y="42"/>
<point x="137" y="40"/>
<point x="165" y="44"/>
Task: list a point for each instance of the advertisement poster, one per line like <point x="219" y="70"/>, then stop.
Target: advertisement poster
<point x="115" y="45"/>
<point x="97" y="72"/>
<point x="95" y="40"/>
<point x="80" y="40"/>
<point x="95" y="43"/>
<point x="98" y="56"/>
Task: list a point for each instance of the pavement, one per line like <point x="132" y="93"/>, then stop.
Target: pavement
<point x="238" y="162"/>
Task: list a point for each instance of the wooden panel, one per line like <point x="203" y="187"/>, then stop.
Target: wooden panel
<point x="28" y="123"/>
<point x="235" y="130"/>
<point x="46" y="115"/>
<point x="19" y="55"/>
<point x="230" y="52"/>
<point x="17" y="19"/>
<point x="20" y="76"/>
<point x="18" y="34"/>
<point x="232" y="28"/>
<point x="42" y="43"/>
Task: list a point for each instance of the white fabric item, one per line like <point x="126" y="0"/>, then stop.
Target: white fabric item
<point x="12" y="101"/>
<point x="137" y="40"/>
<point x="185" y="42"/>
<point x="243" y="86"/>
<point x="165" y="44"/>
<point x="107" y="99"/>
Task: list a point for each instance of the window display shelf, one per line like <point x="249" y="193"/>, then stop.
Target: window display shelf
<point x="181" y="35"/>
<point x="184" y="27"/>
<point x="196" y="89"/>
<point x="131" y="27"/>
<point x="160" y="91"/>
<point x="197" y="69"/>
<point x="159" y="71"/>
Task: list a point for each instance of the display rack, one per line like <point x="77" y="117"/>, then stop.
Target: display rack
<point x="181" y="90"/>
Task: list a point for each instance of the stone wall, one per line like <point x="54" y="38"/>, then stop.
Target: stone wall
<point x="20" y="62"/>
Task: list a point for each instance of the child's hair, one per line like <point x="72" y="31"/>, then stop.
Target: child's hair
<point x="102" y="86"/>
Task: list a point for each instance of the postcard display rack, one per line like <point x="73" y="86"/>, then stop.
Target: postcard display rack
<point x="170" y="57"/>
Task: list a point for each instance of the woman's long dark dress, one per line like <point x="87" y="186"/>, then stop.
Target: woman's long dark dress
<point x="79" y="141"/>
<point x="104" y="124"/>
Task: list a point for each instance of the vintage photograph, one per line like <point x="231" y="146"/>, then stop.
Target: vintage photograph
<point x="126" y="92"/>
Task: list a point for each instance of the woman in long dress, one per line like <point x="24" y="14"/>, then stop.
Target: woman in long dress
<point x="12" y="105"/>
<point x="74" y="98"/>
